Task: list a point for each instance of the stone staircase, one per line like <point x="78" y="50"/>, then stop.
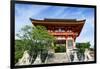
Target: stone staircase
<point x="57" y="58"/>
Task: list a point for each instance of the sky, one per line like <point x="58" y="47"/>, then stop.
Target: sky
<point x="23" y="13"/>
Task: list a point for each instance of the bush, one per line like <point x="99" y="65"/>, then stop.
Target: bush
<point x="60" y="49"/>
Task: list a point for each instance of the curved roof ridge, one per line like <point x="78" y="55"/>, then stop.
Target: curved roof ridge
<point x="56" y="20"/>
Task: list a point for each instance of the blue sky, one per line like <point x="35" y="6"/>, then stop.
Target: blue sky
<point x="25" y="11"/>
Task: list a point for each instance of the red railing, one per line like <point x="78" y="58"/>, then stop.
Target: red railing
<point x="62" y="33"/>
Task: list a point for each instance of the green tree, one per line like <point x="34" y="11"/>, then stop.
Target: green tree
<point x="81" y="49"/>
<point x="82" y="46"/>
<point x="24" y="41"/>
<point x="43" y="41"/>
<point x="34" y="39"/>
